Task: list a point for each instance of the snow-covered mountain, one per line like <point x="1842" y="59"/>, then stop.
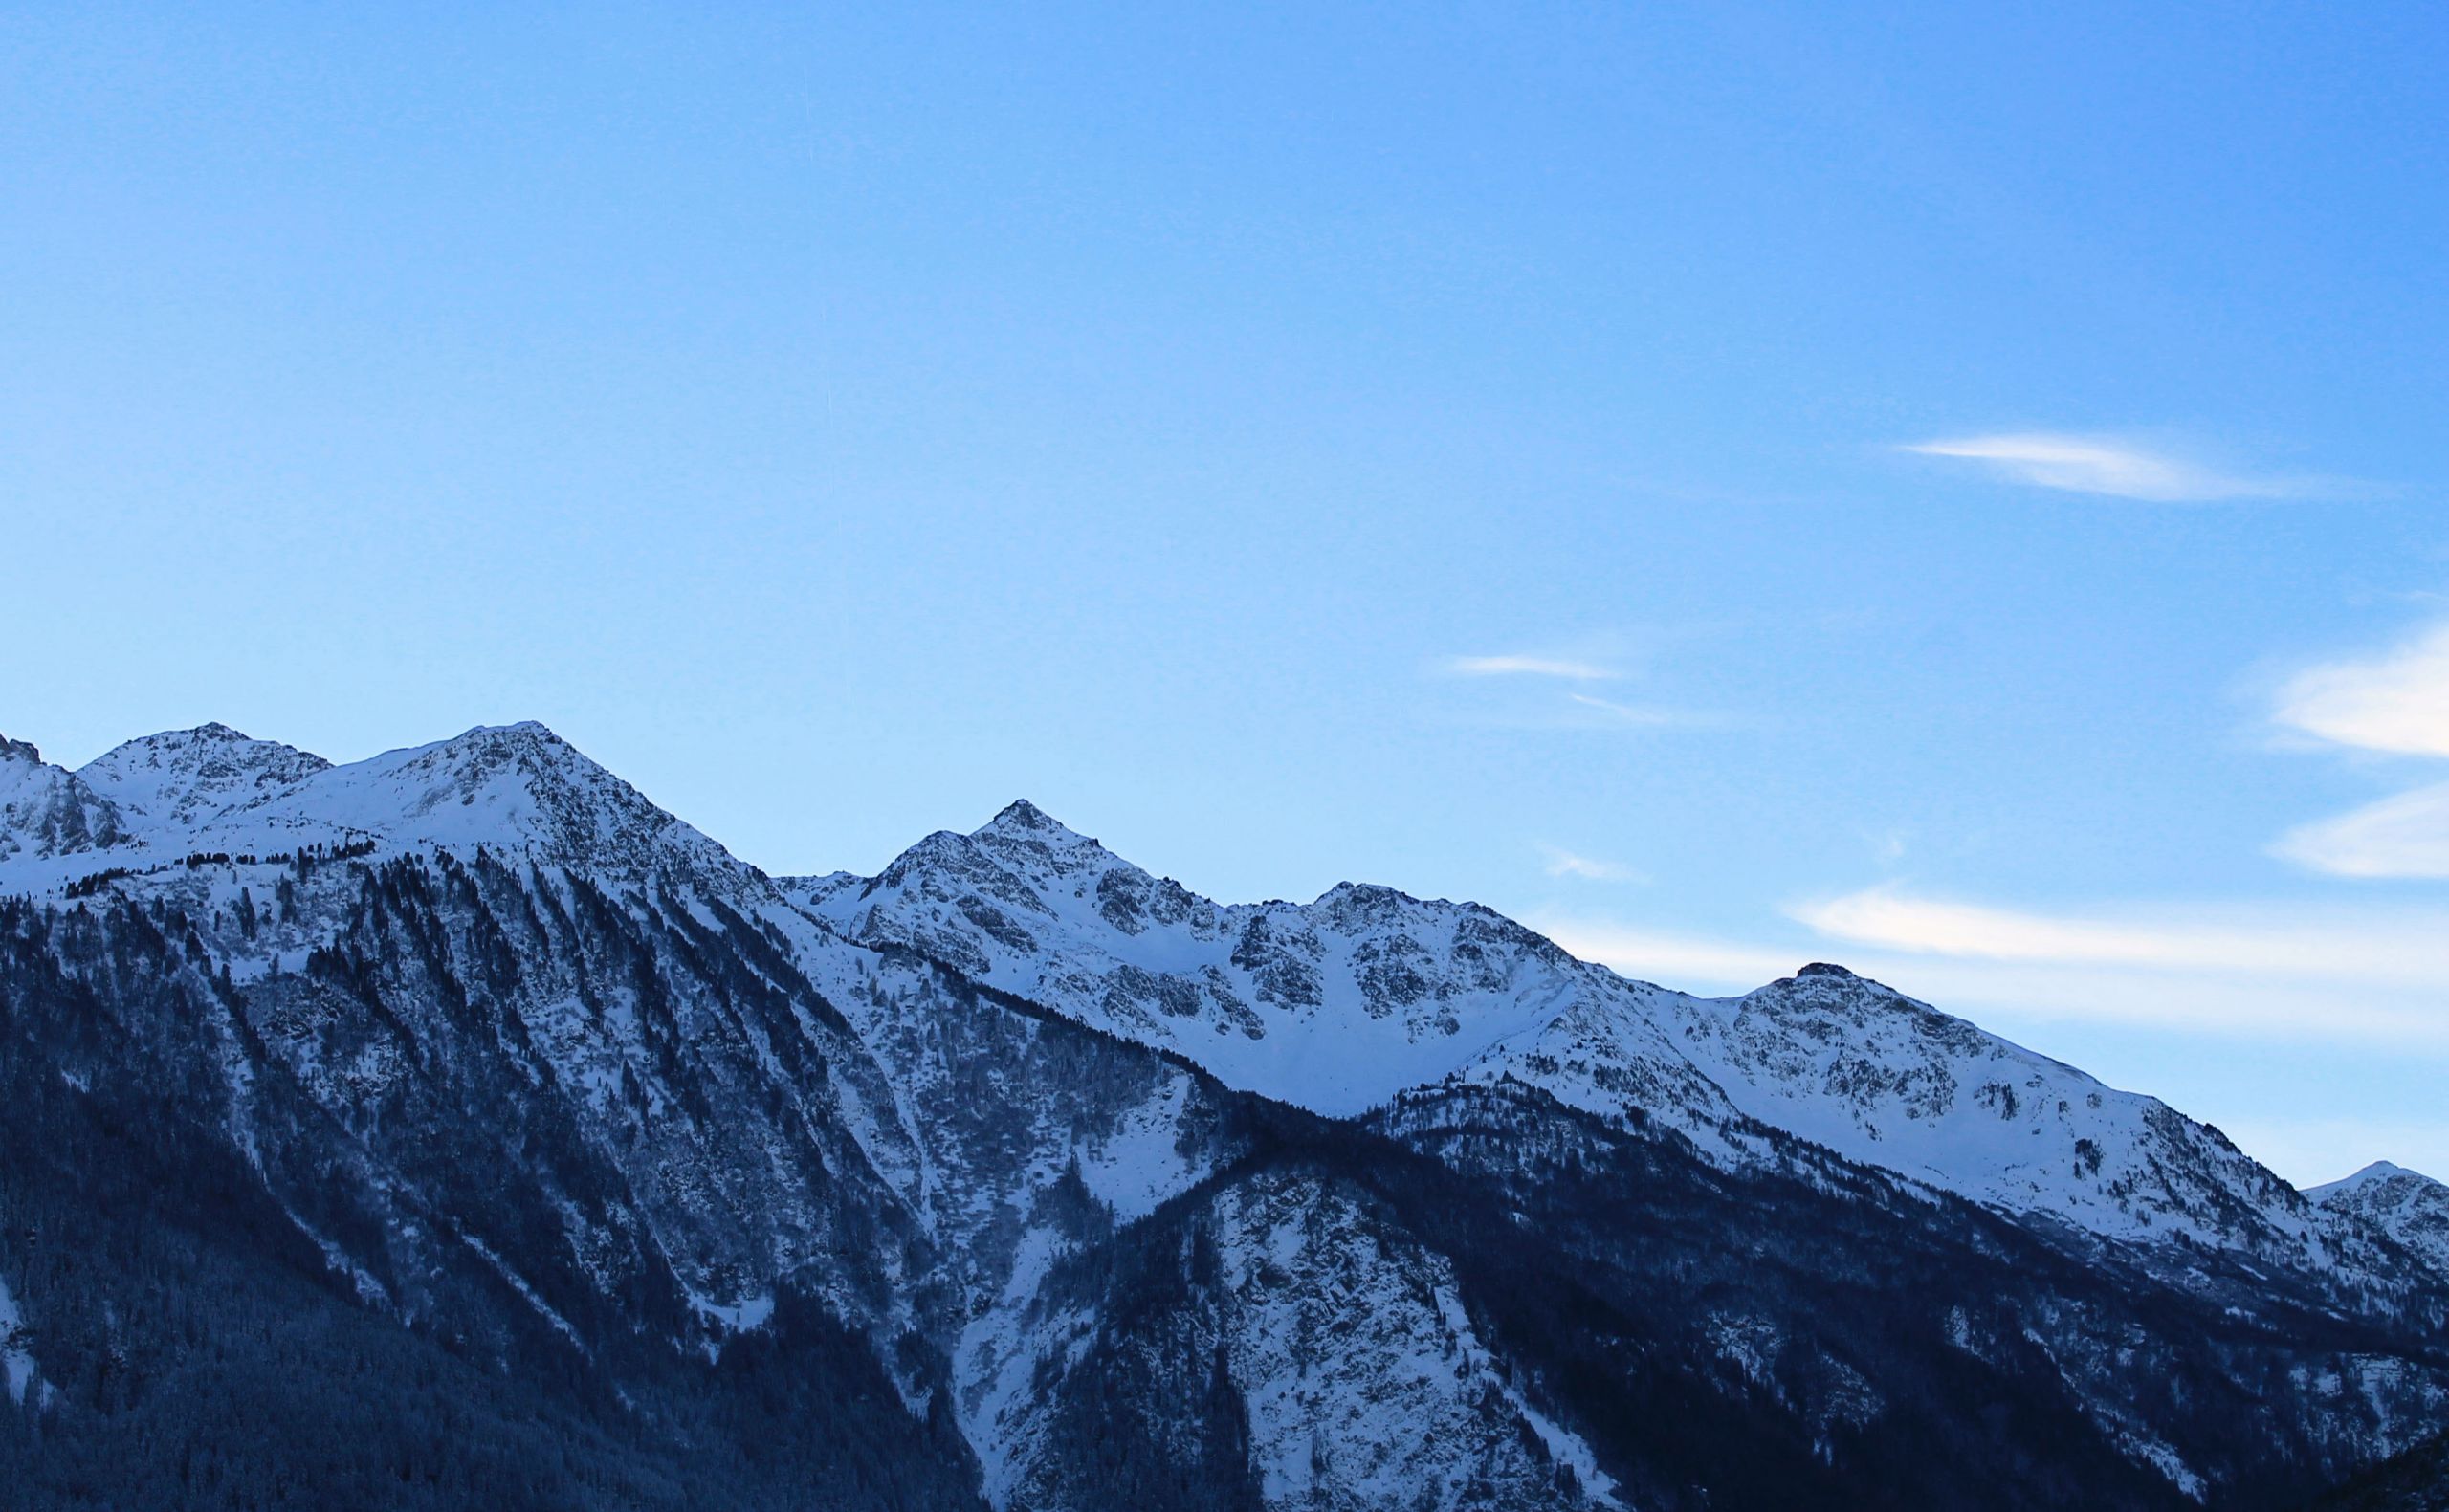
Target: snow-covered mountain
<point x="1018" y="1172"/>
<point x="167" y="785"/>
<point x="1337" y="1005"/>
<point x="520" y="788"/>
<point x="1878" y="1076"/>
<point x="2407" y="1205"/>
<point x="516" y="789"/>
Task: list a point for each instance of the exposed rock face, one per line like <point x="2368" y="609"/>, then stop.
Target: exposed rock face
<point x="47" y="811"/>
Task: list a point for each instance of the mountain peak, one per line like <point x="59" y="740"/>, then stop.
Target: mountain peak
<point x="532" y="729"/>
<point x="1022" y="817"/>
<point x="1827" y="969"/>
<point x="2407" y="1205"/>
<point x="2379" y="1171"/>
<point x="516" y="786"/>
<point x="1029" y="841"/>
<point x="179" y="779"/>
<point x="524" y="735"/>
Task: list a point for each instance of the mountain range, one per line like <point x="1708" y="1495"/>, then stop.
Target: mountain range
<point x="458" y="1127"/>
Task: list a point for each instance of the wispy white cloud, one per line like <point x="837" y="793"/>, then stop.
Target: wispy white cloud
<point x="1653" y="716"/>
<point x="1686" y="961"/>
<point x="2393" y="704"/>
<point x="2247" y="971"/>
<point x="1567" y="669"/>
<point x="2237" y="974"/>
<point x="2403" y="836"/>
<point x="2396" y="702"/>
<point x="1532" y="700"/>
<point x="2398" y="950"/>
<point x="2109" y="465"/>
<point x="1562" y="862"/>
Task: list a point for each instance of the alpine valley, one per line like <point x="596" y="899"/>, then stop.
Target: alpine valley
<point x="456" y="1129"/>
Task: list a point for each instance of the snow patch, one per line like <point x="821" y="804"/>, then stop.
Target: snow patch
<point x="16" y="1354"/>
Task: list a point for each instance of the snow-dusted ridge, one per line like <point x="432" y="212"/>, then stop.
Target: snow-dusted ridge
<point x="1335" y="1005"/>
<point x="211" y="790"/>
<point x="1883" y="1078"/>
<point x="1340" y="1003"/>
<point x="683" y="1098"/>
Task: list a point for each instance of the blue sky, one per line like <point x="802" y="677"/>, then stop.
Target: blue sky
<point x="1952" y="490"/>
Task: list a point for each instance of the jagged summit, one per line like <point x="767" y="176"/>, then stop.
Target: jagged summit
<point x="214" y="790"/>
<point x="48" y="810"/>
<point x="1335" y="1004"/>
<point x="1021" y="815"/>
<point x="1342" y="1004"/>
<point x="517" y="787"/>
<point x="1025" y="831"/>
<point x="174" y="780"/>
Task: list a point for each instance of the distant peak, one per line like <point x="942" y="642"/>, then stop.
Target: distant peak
<point x="527" y="746"/>
<point x="527" y="742"/>
<point x="1023" y="820"/>
<point x="212" y="735"/>
<point x="1366" y="896"/>
<point x="2382" y="1171"/>
<point x="20" y="751"/>
<point x="1022" y="814"/>
<point x="1827" y="984"/>
<point x="2377" y="1173"/>
<point x="168" y="782"/>
<point x="1028" y="838"/>
<point x="524" y="729"/>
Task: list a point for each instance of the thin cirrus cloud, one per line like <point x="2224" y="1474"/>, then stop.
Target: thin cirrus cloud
<point x="1650" y="716"/>
<point x="2396" y="702"/>
<point x="2399" y="951"/>
<point x="2109" y="465"/>
<point x="2393" y="704"/>
<point x="1562" y="862"/>
<point x="1567" y="708"/>
<point x="2246" y="972"/>
<point x="1561" y="667"/>
<point x="2403" y="836"/>
<point x="2019" y="972"/>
